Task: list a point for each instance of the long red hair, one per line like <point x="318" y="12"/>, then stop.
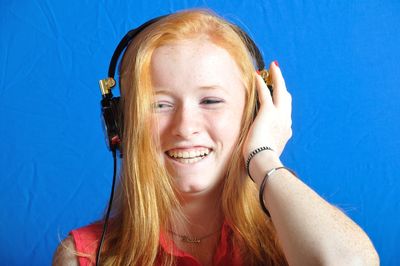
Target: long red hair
<point x="141" y="211"/>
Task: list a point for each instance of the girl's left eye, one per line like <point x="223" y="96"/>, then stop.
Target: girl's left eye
<point x="211" y="101"/>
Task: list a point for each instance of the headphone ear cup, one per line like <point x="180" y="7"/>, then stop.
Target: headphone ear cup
<point x="112" y="122"/>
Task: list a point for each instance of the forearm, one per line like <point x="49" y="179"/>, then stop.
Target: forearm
<point x="311" y="231"/>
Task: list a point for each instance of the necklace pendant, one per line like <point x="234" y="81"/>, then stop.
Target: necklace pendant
<point x="190" y="240"/>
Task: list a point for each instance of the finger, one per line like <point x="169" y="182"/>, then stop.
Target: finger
<point x="264" y="96"/>
<point x="278" y="83"/>
<point x="281" y="96"/>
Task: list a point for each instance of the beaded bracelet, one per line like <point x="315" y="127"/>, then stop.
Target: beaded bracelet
<point x="252" y="154"/>
<point x="264" y="182"/>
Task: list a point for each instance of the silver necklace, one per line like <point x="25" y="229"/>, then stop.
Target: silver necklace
<point x="193" y="240"/>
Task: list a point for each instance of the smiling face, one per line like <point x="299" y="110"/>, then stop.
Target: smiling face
<point x="199" y="102"/>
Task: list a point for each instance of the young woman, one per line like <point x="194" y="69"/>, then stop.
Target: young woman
<point x="188" y="89"/>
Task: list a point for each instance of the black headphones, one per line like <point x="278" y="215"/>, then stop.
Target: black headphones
<point x="110" y="108"/>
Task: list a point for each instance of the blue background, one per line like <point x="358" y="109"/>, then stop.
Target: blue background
<point x="340" y="60"/>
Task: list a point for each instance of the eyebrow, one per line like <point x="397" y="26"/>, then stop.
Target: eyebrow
<point x="212" y="87"/>
<point x="205" y="88"/>
<point x="215" y="88"/>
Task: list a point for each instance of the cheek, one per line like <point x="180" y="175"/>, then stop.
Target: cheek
<point x="160" y="125"/>
<point x="227" y="127"/>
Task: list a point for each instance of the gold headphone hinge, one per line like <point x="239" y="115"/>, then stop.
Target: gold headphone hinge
<point x="106" y="85"/>
<point x="266" y="76"/>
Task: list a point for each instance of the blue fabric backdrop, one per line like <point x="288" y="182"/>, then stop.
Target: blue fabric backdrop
<point x="341" y="64"/>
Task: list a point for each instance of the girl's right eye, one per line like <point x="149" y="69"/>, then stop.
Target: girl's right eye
<point x="162" y="107"/>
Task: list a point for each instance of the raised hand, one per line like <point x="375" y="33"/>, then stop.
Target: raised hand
<point x="272" y="125"/>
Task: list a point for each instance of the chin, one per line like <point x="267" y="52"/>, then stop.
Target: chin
<point x="197" y="186"/>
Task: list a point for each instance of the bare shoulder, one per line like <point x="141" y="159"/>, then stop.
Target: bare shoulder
<point x="65" y="253"/>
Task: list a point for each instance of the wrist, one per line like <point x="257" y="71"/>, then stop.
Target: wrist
<point x="262" y="163"/>
<point x="254" y="153"/>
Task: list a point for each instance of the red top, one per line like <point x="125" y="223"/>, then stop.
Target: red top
<point x="87" y="238"/>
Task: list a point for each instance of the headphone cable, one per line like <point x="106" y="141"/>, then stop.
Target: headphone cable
<point x="108" y="209"/>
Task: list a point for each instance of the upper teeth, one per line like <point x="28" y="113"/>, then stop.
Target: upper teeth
<point x="188" y="154"/>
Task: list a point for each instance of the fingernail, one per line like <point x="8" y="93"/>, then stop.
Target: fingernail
<point x="276" y="63"/>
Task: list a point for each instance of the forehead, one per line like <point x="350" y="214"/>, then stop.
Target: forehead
<point x="197" y="62"/>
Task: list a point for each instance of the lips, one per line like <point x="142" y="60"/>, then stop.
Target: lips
<point x="188" y="155"/>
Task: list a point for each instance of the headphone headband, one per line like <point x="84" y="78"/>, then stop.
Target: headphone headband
<point x="125" y="42"/>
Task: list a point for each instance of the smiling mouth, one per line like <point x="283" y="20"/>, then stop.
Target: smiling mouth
<point x="188" y="156"/>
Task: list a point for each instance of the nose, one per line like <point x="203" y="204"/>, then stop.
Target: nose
<point x="186" y="122"/>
